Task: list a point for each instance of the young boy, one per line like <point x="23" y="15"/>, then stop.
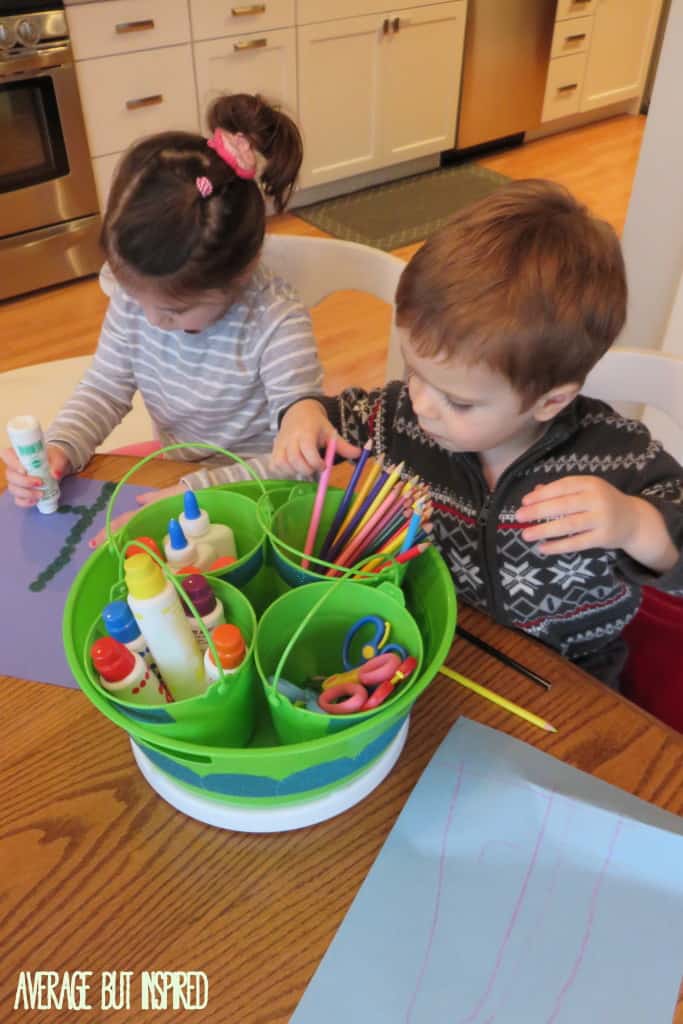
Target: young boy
<point x="550" y="509"/>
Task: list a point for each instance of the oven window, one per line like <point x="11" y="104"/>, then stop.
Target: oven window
<point x="34" y="149"/>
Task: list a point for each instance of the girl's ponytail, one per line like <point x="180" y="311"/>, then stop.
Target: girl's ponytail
<point x="271" y="133"/>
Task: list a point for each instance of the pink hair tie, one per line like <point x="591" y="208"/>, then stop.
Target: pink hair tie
<point x="235" y="150"/>
<point x="204" y="187"/>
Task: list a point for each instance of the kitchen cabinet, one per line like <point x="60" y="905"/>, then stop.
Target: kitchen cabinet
<point x="620" y="49"/>
<point x="378" y="89"/>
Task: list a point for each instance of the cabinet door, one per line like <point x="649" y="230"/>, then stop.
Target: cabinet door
<point x="620" y="49"/>
<point x="338" y="98"/>
<point x="263" y="63"/>
<point x="421" y="67"/>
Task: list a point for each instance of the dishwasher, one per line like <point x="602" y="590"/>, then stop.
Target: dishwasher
<point x="505" y="65"/>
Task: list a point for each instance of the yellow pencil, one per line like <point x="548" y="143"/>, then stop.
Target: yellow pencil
<point x="370" y="477"/>
<point x="508" y="705"/>
<point x="379" y="498"/>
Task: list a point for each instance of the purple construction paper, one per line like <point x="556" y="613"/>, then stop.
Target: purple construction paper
<point x="33" y="594"/>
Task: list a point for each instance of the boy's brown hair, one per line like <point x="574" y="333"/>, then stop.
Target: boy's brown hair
<point x="526" y="281"/>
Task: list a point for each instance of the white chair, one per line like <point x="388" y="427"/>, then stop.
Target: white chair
<point x="318" y="267"/>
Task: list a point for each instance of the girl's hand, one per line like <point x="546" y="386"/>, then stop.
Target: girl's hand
<point x="304" y="433"/>
<point x="28" y="490"/>
<point x="142" y="499"/>
<point x="581" y="512"/>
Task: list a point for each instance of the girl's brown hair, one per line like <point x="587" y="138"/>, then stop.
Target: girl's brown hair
<point x="526" y="281"/>
<point x="157" y="225"/>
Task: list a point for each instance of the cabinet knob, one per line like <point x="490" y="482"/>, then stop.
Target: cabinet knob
<point x="242" y="12"/>
<point x="250" y="44"/>
<point x="396" y="24"/>
<point x="134" y="26"/>
<point x="144" y="101"/>
<point x="385" y="27"/>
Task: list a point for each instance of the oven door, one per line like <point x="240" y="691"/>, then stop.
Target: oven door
<point x="45" y="172"/>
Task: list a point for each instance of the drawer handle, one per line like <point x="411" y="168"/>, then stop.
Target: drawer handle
<point x="134" y="26"/>
<point x="242" y="12"/>
<point x="250" y="44"/>
<point x="144" y="101"/>
<point x="385" y="27"/>
<point x="396" y="24"/>
<point x="568" y="88"/>
<point x="576" y="38"/>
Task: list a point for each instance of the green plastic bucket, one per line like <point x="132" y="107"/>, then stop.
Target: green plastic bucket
<point x="317" y="650"/>
<point x="225" y="714"/>
<point x="267" y="773"/>
<point x="288" y="529"/>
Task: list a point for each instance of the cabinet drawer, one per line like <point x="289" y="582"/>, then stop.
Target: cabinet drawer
<point x="571" y="36"/>
<point x="233" y="65"/>
<point x="563" y="87"/>
<point x="126" y="97"/>
<point x="103" y="169"/>
<point x="311" y="11"/>
<point x="121" y="26"/>
<point x="235" y="17"/>
<point x="574" y="8"/>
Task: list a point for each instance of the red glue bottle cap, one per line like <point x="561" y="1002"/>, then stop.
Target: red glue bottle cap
<point x="229" y="644"/>
<point x="111" y="659"/>
<point x="134" y="549"/>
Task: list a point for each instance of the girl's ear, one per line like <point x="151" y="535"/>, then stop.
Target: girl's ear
<point x="554" y="401"/>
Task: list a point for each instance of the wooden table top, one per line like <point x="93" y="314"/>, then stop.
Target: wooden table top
<point x="98" y="873"/>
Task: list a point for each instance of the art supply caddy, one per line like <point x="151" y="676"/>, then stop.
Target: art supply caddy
<point x="244" y="755"/>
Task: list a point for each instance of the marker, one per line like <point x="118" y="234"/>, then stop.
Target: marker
<point x="133" y="547"/>
<point x="26" y="437"/>
<point x="230" y="647"/>
<point x="205" y="601"/>
<point x="123" y="673"/>
<point x="120" y="624"/>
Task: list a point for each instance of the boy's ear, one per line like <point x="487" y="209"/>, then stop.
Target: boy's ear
<point x="554" y="401"/>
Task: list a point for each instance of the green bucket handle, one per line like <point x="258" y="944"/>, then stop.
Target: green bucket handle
<point x="390" y="573"/>
<point x="390" y="589"/>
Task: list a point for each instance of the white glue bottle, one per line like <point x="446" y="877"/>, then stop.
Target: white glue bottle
<point x="26" y="437"/>
<point x="197" y="525"/>
<point x="159" y="613"/>
<point x="229" y="644"/>
<point x="207" y="604"/>
<point x="180" y="551"/>
<point x="124" y="674"/>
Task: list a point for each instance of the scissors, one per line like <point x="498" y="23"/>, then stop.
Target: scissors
<point x="376" y="644"/>
<point x="347" y="692"/>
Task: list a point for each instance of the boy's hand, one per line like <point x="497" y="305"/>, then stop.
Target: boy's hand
<point x="142" y="499"/>
<point x="587" y="512"/>
<point x="28" y="490"/>
<point x="304" y="433"/>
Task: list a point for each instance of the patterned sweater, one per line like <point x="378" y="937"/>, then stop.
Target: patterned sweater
<point x="576" y="603"/>
<point x="225" y="385"/>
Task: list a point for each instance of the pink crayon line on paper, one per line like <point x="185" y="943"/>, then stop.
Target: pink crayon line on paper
<point x="514" y="916"/>
<point x="437" y="899"/>
<point x="571" y="978"/>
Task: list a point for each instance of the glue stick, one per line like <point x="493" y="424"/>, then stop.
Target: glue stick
<point x="159" y="613"/>
<point x="26" y="437"/>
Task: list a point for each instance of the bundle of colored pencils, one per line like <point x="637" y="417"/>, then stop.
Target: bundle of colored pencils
<point x="384" y="516"/>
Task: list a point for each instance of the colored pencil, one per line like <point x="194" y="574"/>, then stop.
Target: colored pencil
<point x="388" y="548"/>
<point x="414" y="526"/>
<point x="347" y="498"/>
<point x="388" y="485"/>
<point x="506" y="659"/>
<point x="370" y="477"/>
<point x="405" y="556"/>
<point x="362" y="536"/>
<point x="348" y="532"/>
<point x="495" y="698"/>
<point x="319" y="500"/>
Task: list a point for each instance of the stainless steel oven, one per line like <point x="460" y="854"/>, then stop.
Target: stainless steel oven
<point x="49" y="221"/>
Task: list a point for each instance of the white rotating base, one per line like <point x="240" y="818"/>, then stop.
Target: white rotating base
<point x="239" y="818"/>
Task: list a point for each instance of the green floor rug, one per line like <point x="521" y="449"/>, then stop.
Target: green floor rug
<point x="401" y="212"/>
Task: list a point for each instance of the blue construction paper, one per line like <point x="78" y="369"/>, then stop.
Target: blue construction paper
<point x="35" y="580"/>
<point x="513" y="889"/>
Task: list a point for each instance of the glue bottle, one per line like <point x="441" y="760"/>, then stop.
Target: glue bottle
<point x="180" y="551"/>
<point x="159" y="613"/>
<point x="197" y="525"/>
<point x="206" y="603"/>
<point x="26" y="437"/>
<point x="230" y="648"/>
<point x="120" y="624"/>
<point x="123" y="673"/>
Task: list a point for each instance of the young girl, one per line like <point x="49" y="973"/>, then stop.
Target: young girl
<point x="216" y="344"/>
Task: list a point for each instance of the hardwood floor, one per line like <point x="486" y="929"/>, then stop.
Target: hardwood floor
<point x="597" y="163"/>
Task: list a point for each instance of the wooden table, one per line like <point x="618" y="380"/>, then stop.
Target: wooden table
<point x="99" y="874"/>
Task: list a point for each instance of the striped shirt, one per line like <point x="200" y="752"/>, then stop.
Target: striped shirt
<point x="225" y="385"/>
